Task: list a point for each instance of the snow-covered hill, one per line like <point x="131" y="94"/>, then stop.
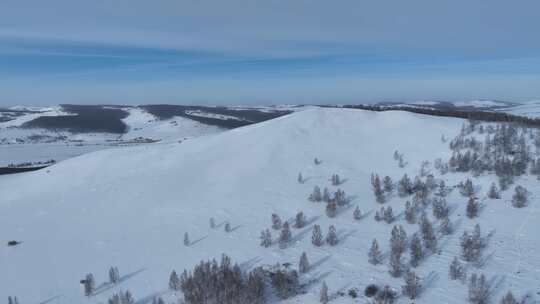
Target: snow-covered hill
<point x="130" y="207"/>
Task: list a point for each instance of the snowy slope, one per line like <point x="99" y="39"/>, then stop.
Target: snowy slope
<point x="130" y="207"/>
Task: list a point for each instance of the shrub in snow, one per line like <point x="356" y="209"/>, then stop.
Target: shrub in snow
<point x="316" y="161"/>
<point x="266" y="238"/>
<point x="471" y="245"/>
<point x="331" y="237"/>
<point x="303" y="265"/>
<point x="446" y="227"/>
<point x="371" y="290"/>
<point x="412" y="286"/>
<point x="276" y="222"/>
<point x="324" y="293"/>
<point x="374" y="253"/>
<point x="519" y="199"/>
<point x="317" y="237"/>
<point x="442" y="191"/>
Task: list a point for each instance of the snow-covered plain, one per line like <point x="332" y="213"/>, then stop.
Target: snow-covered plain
<point x="130" y="207"/>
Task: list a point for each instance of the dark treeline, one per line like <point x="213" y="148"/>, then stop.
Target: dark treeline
<point x="87" y="118"/>
<point x="245" y="116"/>
<point x="488" y="116"/>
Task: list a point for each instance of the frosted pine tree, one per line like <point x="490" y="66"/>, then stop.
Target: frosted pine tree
<point x="375" y="256"/>
<point x="285" y="236"/>
<point x="410" y="213"/>
<point x="300" y="178"/>
<point x="428" y="234"/>
<point x="442" y="191"/>
<point x="266" y="238"/>
<point x="300" y="220"/>
<point x="212" y="223"/>
<point x="228" y="227"/>
<point x="519" y="199"/>
<point x="405" y="186"/>
<point x="276" y="222"/>
<point x="416" y="250"/>
<point x="395" y="264"/>
<point x="174" y="281"/>
<point x="440" y="208"/>
<point x="388" y="185"/>
<point x="446" y="227"/>
<point x="388" y="215"/>
<point x="357" y="214"/>
<point x="114" y="275"/>
<point x="412" y="286"/>
<point x="303" y="265"/>
<point x="324" y="293"/>
<point x="478" y="289"/>
<point x="326" y="195"/>
<point x="331" y="237"/>
<point x="472" y="208"/>
<point x="493" y="192"/>
<point x="398" y="239"/>
<point x="317" y="237"/>
<point x="509" y="299"/>
<point x="89" y="285"/>
<point x="456" y="270"/>
<point x="331" y="209"/>
<point x="377" y="189"/>
<point x="186" y="239"/>
<point x="158" y="300"/>
<point x="126" y="298"/>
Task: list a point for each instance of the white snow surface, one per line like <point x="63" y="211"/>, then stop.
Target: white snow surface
<point x="130" y="207"/>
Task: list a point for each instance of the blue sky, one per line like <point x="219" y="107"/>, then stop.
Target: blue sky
<point x="267" y="52"/>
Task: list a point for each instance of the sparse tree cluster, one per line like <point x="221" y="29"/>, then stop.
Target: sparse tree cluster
<point x="471" y="245"/>
<point x="456" y="270"/>
<point x="478" y="289"/>
<point x="121" y="298"/>
<point x="114" y="275"/>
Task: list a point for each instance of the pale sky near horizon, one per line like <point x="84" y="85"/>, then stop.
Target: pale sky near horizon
<point x="272" y="51"/>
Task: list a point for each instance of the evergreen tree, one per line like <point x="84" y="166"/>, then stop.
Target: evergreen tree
<point x="126" y="298"/>
<point x="186" y="239"/>
<point x="228" y="227"/>
<point x="442" y="190"/>
<point x="331" y="237"/>
<point x="276" y="222"/>
<point x="336" y="181"/>
<point x="303" y="265"/>
<point x="456" y="270"/>
<point x="158" y="300"/>
<point x="388" y="215"/>
<point x="300" y="220"/>
<point x="398" y="240"/>
<point x="89" y="285"/>
<point x="478" y="289"/>
<point x="405" y="186"/>
<point x="374" y="254"/>
<point x="519" y="199"/>
<point x="440" y="208"/>
<point x="285" y="236"/>
<point x="412" y="286"/>
<point x="388" y="185"/>
<point x="324" y="293"/>
<point x="317" y="237"/>
<point x="331" y="209"/>
<point x="377" y="189"/>
<point x="326" y="195"/>
<point x="446" y="226"/>
<point x="428" y="234"/>
<point x="493" y="192"/>
<point x="416" y="250"/>
<point x="114" y="275"/>
<point x="300" y="178"/>
<point x="212" y="223"/>
<point x="357" y="214"/>
<point x="174" y="281"/>
<point x="395" y="264"/>
<point x="315" y="196"/>
<point x="266" y="238"/>
<point x="509" y="299"/>
<point x="472" y="208"/>
<point x="467" y="189"/>
<point x="410" y="213"/>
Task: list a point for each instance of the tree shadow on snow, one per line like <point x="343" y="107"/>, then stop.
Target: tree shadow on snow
<point x="339" y="292"/>
<point x="300" y="235"/>
<point x="149" y="298"/>
<point x="108" y="285"/>
<point x="318" y="277"/>
<point x="197" y="240"/>
<point x="312" y="220"/>
<point x="319" y="262"/>
<point x="343" y="235"/>
<point x="429" y="280"/>
<point x="51" y="299"/>
<point x="249" y="263"/>
<point x="367" y="214"/>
